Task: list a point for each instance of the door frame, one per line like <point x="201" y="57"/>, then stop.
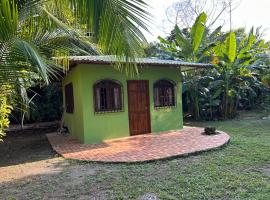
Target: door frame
<point x="148" y="105"/>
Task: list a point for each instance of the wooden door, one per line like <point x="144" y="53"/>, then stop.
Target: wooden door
<point x="138" y="107"/>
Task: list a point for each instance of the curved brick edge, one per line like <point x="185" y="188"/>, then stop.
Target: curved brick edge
<point x="170" y="157"/>
<point x="184" y="155"/>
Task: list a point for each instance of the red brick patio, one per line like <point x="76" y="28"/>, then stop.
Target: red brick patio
<point x="139" y="148"/>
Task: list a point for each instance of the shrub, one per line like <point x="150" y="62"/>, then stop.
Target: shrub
<point x="5" y="110"/>
<point x="45" y="106"/>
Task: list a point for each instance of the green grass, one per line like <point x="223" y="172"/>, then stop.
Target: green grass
<point x="241" y="170"/>
<point x="237" y="171"/>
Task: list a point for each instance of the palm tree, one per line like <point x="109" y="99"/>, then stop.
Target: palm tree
<point x="32" y="31"/>
<point x="30" y="34"/>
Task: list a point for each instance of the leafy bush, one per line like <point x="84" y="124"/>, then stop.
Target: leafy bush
<point x="5" y="110"/>
<point x="45" y="105"/>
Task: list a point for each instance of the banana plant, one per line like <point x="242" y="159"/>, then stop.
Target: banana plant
<point x="240" y="70"/>
<point x="210" y="93"/>
<point x="192" y="45"/>
<point x="236" y="56"/>
<point x="186" y="44"/>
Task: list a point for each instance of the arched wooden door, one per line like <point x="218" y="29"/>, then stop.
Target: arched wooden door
<point x="138" y="107"/>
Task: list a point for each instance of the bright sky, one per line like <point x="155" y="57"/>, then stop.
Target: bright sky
<point x="249" y="13"/>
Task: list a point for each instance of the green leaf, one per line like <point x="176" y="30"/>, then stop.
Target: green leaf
<point x="215" y="102"/>
<point x="181" y="40"/>
<point x="164" y="41"/>
<point x="215" y="33"/>
<point x="251" y="39"/>
<point x="230" y="51"/>
<point x="217" y="93"/>
<point x="197" y="31"/>
<point x="215" y="84"/>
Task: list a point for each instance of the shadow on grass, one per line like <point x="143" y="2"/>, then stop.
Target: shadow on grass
<point x="50" y="179"/>
<point x="24" y="148"/>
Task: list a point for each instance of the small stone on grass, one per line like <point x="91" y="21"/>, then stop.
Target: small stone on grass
<point x="148" y="197"/>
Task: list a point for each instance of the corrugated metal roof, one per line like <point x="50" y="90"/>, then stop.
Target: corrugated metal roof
<point x="142" y="61"/>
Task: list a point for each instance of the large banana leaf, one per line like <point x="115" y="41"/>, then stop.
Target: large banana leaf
<point x="197" y="31"/>
<point x="230" y="50"/>
<point x="183" y="42"/>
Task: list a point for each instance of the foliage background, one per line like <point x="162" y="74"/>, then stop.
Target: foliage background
<point x="46" y="105"/>
<point x="239" y="76"/>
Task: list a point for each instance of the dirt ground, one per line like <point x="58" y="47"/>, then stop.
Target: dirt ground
<point x="28" y="161"/>
<point x="26" y="154"/>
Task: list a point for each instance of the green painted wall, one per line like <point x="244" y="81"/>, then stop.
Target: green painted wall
<point x="98" y="127"/>
<point x="74" y="121"/>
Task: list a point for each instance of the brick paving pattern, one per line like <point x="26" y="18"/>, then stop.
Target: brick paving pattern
<point x="140" y="148"/>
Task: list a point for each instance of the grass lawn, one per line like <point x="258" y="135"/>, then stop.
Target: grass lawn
<point x="240" y="170"/>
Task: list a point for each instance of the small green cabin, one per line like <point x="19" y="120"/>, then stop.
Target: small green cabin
<point x="103" y="103"/>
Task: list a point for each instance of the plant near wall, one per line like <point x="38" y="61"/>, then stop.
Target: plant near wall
<point x="210" y="92"/>
<point x="5" y="111"/>
<point x="185" y="45"/>
<point x="192" y="45"/>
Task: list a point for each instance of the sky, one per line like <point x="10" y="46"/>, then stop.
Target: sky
<point x="249" y="13"/>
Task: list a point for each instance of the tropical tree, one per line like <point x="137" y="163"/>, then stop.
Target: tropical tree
<point x="33" y="31"/>
<point x="30" y="33"/>
<point x="238" y="56"/>
<point x="192" y="45"/>
<point x="238" y="77"/>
